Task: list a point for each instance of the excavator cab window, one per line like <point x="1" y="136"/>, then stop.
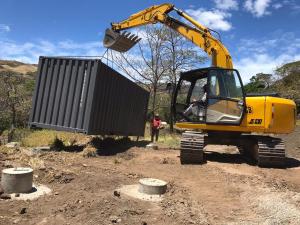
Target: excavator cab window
<point x="213" y="96"/>
<point x="225" y="97"/>
<point x="191" y="97"/>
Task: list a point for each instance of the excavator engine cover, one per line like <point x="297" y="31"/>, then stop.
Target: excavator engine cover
<point x="120" y="42"/>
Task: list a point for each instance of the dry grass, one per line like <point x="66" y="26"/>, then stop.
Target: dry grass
<point x="36" y="163"/>
<point x="298" y="122"/>
<point x="48" y="137"/>
<point x="6" y="150"/>
<point x="89" y="151"/>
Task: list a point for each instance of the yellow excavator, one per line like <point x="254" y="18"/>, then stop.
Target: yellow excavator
<point x="210" y="103"/>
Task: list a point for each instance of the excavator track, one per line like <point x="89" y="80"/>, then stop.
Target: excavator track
<point x="271" y="152"/>
<point x="191" y="148"/>
<point x="266" y="151"/>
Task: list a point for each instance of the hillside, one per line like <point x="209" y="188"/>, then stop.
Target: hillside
<point x="289" y="83"/>
<point x="293" y="67"/>
<point x="17" y="67"/>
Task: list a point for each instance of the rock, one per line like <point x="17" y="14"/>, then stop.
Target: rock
<point x="56" y="193"/>
<point x="84" y="165"/>
<point x="42" y="148"/>
<point x="114" y="219"/>
<point x="23" y="211"/>
<point x="16" y="221"/>
<point x="12" y="145"/>
<point x="57" y="176"/>
<point x="144" y="223"/>
<point x="119" y="220"/>
<point x="17" y="195"/>
<point x="165" y="161"/>
<point x="153" y="146"/>
<point x="117" y="193"/>
<point x="5" y="196"/>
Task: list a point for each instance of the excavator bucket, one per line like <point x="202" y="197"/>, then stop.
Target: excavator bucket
<point x="120" y="42"/>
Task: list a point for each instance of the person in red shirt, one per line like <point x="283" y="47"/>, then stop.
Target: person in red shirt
<point x="155" y="126"/>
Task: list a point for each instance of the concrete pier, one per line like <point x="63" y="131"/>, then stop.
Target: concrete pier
<point x="17" y="180"/>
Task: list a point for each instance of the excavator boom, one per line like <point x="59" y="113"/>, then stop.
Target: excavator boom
<point x="196" y="33"/>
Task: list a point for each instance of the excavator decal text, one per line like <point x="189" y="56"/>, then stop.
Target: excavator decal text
<point x="255" y="121"/>
<point x="249" y="109"/>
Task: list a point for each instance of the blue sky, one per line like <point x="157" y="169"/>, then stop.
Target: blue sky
<point x="260" y="34"/>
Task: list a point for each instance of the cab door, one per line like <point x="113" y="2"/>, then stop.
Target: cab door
<point x="226" y="99"/>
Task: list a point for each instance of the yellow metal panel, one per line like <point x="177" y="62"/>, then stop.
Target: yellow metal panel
<point x="280" y="115"/>
<point x="255" y="116"/>
<point x="258" y="118"/>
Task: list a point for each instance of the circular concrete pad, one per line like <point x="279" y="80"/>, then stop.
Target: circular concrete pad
<point x="133" y="191"/>
<point x="17" y="180"/>
<point x="37" y="191"/>
<point x="152" y="186"/>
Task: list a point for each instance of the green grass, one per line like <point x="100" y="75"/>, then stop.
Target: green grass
<point x="165" y="138"/>
<point x="169" y="140"/>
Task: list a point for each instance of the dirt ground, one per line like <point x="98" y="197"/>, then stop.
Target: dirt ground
<point x="225" y="190"/>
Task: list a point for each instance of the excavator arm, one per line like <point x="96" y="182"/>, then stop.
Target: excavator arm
<point x="196" y="33"/>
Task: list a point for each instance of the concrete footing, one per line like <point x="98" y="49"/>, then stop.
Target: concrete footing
<point x="17" y="180"/>
<point x="152" y="186"/>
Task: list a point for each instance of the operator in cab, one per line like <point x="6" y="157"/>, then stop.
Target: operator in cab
<point x="197" y="107"/>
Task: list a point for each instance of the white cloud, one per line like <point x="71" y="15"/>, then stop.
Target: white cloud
<point x="293" y="5"/>
<point x="214" y="19"/>
<point x="265" y="55"/>
<point x="227" y="4"/>
<point x="29" y="52"/>
<point x="4" y="28"/>
<point x="277" y="6"/>
<point x="262" y="63"/>
<point x="258" y="7"/>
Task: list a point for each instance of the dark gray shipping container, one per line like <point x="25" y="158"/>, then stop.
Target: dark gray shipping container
<point x="85" y="95"/>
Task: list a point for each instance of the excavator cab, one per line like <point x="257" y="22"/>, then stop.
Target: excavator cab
<point x="211" y="96"/>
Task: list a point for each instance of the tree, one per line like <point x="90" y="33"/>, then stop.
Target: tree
<point x="15" y="99"/>
<point x="259" y="83"/>
<point x="146" y="65"/>
<point x="160" y="57"/>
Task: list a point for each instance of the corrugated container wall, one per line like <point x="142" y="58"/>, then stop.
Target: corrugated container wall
<point x="85" y="95"/>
